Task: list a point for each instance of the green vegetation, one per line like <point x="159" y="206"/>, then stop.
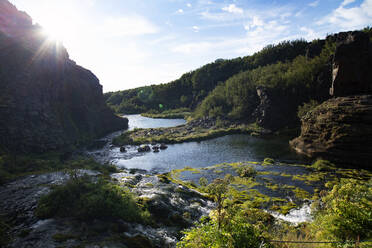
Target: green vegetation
<point x="346" y="212"/>
<point x="84" y="199"/>
<point x="294" y="81"/>
<point x="323" y="165"/>
<point x="181" y="113"/>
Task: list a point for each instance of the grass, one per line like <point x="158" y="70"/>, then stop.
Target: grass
<point x="84" y="199"/>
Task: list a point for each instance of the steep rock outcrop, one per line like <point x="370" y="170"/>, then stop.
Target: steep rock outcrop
<point x="46" y="101"/>
<point x="340" y="130"/>
<point x="352" y="63"/>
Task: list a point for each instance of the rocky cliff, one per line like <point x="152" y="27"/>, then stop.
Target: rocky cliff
<point x="340" y="129"/>
<point x="46" y="101"/>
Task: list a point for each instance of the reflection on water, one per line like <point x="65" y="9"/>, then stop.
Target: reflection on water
<point x="230" y="148"/>
<point x="137" y="121"/>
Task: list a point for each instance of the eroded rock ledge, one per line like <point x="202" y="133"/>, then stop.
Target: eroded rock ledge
<point x="340" y="130"/>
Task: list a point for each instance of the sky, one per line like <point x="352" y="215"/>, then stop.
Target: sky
<point x="133" y="43"/>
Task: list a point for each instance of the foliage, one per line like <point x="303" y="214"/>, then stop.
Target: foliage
<point x="85" y="199"/>
<point x="237" y="233"/>
<point x="306" y="107"/>
<point x="323" y="165"/>
<point x="345" y="212"/>
<point x="246" y="171"/>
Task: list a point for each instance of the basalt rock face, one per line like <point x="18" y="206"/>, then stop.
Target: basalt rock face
<point x="352" y="64"/>
<point x="340" y="130"/>
<point x="46" y="101"/>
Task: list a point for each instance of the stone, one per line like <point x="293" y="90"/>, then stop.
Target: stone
<point x="339" y="130"/>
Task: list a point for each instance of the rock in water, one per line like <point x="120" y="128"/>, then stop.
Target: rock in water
<point x="46" y="101"/>
<point x="340" y="130"/>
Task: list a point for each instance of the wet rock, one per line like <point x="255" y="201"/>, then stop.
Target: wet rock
<point x="144" y="148"/>
<point x="122" y="149"/>
<point x="163" y="146"/>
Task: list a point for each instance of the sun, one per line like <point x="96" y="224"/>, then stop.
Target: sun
<point x="55" y="30"/>
<point x="57" y="20"/>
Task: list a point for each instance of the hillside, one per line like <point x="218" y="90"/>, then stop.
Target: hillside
<point x="192" y="87"/>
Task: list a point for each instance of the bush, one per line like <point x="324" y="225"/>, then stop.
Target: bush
<point x="323" y="165"/>
<point x="346" y="212"/>
<point x="237" y="233"/>
<point x="246" y="171"/>
<point x="86" y="200"/>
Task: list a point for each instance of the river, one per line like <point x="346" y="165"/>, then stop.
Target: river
<point x="229" y="148"/>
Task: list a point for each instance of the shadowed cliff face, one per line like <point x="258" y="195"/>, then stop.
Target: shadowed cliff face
<point x="46" y="100"/>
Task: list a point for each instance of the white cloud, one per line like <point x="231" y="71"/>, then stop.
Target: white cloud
<point x="180" y="11"/>
<point x="196" y="29"/>
<point x="347" y="2"/>
<point x="128" y="26"/>
<point x="233" y="9"/>
<point x="189" y="5"/>
<point x="349" y="18"/>
<point x="310" y="34"/>
<point x="314" y="4"/>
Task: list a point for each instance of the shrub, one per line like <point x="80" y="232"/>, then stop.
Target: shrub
<point x="246" y="171"/>
<point x="346" y="212"/>
<point x="323" y="165"/>
<point x="84" y="199"/>
<point x="237" y="233"/>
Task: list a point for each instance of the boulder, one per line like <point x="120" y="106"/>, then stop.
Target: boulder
<point x="122" y="149"/>
<point x="163" y="146"/>
<point x="339" y="130"/>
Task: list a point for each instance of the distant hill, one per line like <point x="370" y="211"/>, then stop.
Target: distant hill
<point x="192" y="87"/>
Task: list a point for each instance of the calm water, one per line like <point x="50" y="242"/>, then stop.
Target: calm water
<point x="137" y="121"/>
<point x="230" y="148"/>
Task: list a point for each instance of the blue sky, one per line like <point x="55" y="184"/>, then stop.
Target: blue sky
<point x="131" y="43"/>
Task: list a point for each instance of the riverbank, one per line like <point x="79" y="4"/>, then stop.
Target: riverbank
<point x="181" y="113"/>
<point x="195" y="130"/>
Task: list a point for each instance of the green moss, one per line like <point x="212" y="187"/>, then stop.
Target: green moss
<point x="301" y="194"/>
<point x="268" y="161"/>
<point x="323" y="165"/>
